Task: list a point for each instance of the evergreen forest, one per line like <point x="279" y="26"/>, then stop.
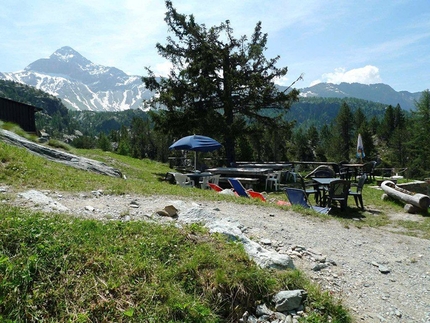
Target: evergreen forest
<point x="320" y="127"/>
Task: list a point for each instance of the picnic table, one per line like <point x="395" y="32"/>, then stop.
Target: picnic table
<point x="248" y="176"/>
<point x="272" y="166"/>
<point x="240" y="171"/>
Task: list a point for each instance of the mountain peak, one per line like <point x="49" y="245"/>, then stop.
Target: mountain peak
<point x="68" y="63"/>
<point x="68" y="54"/>
<point x="64" y="61"/>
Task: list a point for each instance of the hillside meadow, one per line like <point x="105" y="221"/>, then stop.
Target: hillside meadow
<point x="57" y="268"/>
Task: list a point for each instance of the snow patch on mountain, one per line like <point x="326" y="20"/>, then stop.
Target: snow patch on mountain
<point x="81" y="84"/>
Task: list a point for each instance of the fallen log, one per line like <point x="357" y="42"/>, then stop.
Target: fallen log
<point x="419" y="200"/>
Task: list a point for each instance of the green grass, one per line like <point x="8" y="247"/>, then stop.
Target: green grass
<point x="18" y="130"/>
<point x="59" y="144"/>
<point x="56" y="268"/>
<point x="63" y="269"/>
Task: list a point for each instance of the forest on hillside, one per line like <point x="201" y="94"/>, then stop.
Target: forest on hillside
<point x="320" y="129"/>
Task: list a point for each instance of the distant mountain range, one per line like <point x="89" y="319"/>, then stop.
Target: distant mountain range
<point x="83" y="85"/>
<point x="379" y="92"/>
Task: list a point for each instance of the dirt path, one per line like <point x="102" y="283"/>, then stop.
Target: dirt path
<point x="382" y="276"/>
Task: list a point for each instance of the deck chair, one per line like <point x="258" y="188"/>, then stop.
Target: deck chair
<point x="241" y="191"/>
<point x="256" y="195"/>
<point x="357" y="193"/>
<point x="215" y="187"/>
<point x="298" y="196"/>
<point x="295" y="180"/>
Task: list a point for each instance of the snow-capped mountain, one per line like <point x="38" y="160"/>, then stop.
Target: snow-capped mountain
<point x="379" y="92"/>
<point x="81" y="84"/>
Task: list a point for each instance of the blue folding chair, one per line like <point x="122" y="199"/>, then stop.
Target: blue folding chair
<point x="298" y="197"/>
<point x="238" y="187"/>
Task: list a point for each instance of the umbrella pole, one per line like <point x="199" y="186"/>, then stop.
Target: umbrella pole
<point x="195" y="160"/>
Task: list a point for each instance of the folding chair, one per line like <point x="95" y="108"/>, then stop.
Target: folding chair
<point x="241" y="191"/>
<point x="297" y="196"/>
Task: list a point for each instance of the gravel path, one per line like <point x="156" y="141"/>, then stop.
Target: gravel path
<point x="380" y="275"/>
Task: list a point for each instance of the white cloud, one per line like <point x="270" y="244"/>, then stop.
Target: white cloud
<point x="366" y="75"/>
<point x="162" y="69"/>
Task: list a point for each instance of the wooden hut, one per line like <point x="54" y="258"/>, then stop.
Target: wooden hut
<point x="20" y="113"/>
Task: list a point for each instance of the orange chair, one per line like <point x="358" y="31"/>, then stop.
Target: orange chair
<point x="256" y="195"/>
<point x="215" y="187"/>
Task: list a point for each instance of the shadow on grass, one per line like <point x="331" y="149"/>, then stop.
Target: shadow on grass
<point x="349" y="214"/>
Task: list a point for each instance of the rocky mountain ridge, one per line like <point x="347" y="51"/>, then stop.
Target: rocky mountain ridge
<point x="81" y="84"/>
<point x="84" y="85"/>
<point x="378" y="92"/>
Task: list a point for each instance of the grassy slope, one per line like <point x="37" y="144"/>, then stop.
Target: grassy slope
<point x="54" y="268"/>
<point x="57" y="268"/>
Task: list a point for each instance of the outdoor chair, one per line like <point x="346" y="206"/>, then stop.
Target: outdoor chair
<point x="240" y="190"/>
<point x="337" y="192"/>
<point x="322" y="171"/>
<point x="215" y="187"/>
<point x="345" y="172"/>
<point x="357" y="193"/>
<point x="368" y="170"/>
<point x="214" y="179"/>
<point x="273" y="180"/>
<point x="295" y="180"/>
<point x="297" y="196"/>
<point x="204" y="183"/>
<point x="183" y="180"/>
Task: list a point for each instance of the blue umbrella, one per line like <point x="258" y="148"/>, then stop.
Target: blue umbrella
<point x="196" y="143"/>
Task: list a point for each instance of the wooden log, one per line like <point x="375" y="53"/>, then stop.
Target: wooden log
<point x="419" y="200"/>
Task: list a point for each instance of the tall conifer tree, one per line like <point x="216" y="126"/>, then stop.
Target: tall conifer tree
<point x="218" y="84"/>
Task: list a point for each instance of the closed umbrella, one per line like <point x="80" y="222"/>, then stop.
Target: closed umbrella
<point x="360" y="148"/>
<point x="196" y="143"/>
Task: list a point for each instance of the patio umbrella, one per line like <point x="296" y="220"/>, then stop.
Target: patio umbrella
<point x="360" y="148"/>
<point x="196" y="143"/>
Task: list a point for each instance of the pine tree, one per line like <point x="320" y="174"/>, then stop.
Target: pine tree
<point x="419" y="144"/>
<point x="218" y="84"/>
<point x="343" y="131"/>
<point x="104" y="142"/>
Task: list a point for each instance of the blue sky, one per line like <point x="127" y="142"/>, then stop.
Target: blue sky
<point x="366" y="41"/>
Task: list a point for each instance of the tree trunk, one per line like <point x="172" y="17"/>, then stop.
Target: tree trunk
<point x="419" y="200"/>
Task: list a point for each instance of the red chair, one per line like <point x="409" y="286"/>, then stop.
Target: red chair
<point x="256" y="195"/>
<point x="215" y="187"/>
